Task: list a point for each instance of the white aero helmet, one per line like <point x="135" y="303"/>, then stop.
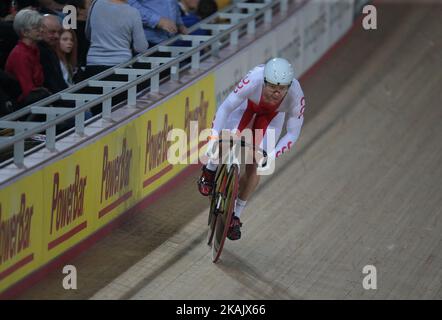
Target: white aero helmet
<point x="279" y="71"/>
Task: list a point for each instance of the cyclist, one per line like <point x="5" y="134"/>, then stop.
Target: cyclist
<point x="260" y="101"/>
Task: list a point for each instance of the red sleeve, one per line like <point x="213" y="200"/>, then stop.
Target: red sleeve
<point x="21" y="67"/>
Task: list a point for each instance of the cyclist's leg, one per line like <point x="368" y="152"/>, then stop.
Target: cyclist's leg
<point x="250" y="180"/>
<point x="247" y="185"/>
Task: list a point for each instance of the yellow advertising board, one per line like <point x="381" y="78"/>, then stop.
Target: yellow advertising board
<point x="69" y="202"/>
<point x="117" y="156"/>
<point x="49" y="212"/>
<point x="21" y="239"/>
<point x="195" y="104"/>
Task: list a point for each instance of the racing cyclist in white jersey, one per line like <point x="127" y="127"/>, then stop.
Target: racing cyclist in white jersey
<point x="260" y="101"/>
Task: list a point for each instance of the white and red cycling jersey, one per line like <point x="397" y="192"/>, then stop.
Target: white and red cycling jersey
<point x="245" y="108"/>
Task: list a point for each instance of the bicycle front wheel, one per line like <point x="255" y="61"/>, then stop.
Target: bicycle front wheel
<point x="215" y="203"/>
<point x="222" y="223"/>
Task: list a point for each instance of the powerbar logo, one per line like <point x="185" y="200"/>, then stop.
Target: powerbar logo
<point x="199" y="115"/>
<point x="67" y="203"/>
<point x="156" y="145"/>
<point x="116" y="172"/>
<point x="15" y="232"/>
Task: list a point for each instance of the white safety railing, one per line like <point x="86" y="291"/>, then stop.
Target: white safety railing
<point x="226" y="27"/>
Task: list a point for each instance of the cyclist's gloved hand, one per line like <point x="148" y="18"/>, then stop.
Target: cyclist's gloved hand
<point x="267" y="165"/>
<point x="212" y="147"/>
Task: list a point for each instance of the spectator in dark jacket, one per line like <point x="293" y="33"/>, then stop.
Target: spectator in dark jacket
<point x="55" y="7"/>
<point x="51" y="28"/>
<point x="206" y="8"/>
<point x="9" y="93"/>
<point x="8" y="38"/>
<point x="27" y="4"/>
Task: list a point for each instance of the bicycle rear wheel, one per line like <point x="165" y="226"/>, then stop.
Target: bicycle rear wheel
<point x="223" y="219"/>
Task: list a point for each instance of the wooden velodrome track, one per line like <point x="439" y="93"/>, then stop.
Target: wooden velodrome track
<point x="363" y="186"/>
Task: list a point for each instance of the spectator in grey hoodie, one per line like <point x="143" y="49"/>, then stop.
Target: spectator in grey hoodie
<point x="114" y="29"/>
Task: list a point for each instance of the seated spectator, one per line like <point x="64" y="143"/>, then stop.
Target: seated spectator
<point x="67" y="53"/>
<point x="114" y="28"/>
<point x="192" y="12"/>
<point x="206" y="8"/>
<point x="24" y="60"/>
<point x="55" y="7"/>
<point x="51" y="6"/>
<point x="27" y="4"/>
<point x="8" y="38"/>
<point x="187" y="12"/>
<point x="53" y="76"/>
<point x="5" y="10"/>
<point x="9" y="93"/>
<point x="161" y="19"/>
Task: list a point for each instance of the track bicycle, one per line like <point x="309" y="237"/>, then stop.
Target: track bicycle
<point x="224" y="194"/>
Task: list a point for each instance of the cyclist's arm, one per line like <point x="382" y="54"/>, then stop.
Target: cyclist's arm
<point x="233" y="101"/>
<point x="293" y="130"/>
<point x="225" y="109"/>
<point x="294" y="124"/>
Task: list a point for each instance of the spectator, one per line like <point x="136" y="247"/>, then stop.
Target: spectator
<point x="82" y="42"/>
<point x="161" y="19"/>
<point x="187" y="12"/>
<point x="9" y="93"/>
<point x="192" y="12"/>
<point x="6" y="11"/>
<point x="206" y="8"/>
<point x="67" y="53"/>
<point x="112" y="27"/>
<point x="51" y="28"/>
<point x="24" y="60"/>
<point x="53" y="75"/>
<point x="55" y="7"/>
<point x="27" y="4"/>
<point x="8" y="38"/>
<point x="51" y="6"/>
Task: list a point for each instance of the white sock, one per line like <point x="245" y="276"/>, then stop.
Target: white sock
<point x="211" y="166"/>
<point x="239" y="206"/>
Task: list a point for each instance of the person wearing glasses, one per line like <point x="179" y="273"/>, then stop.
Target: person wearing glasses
<point x="260" y="102"/>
